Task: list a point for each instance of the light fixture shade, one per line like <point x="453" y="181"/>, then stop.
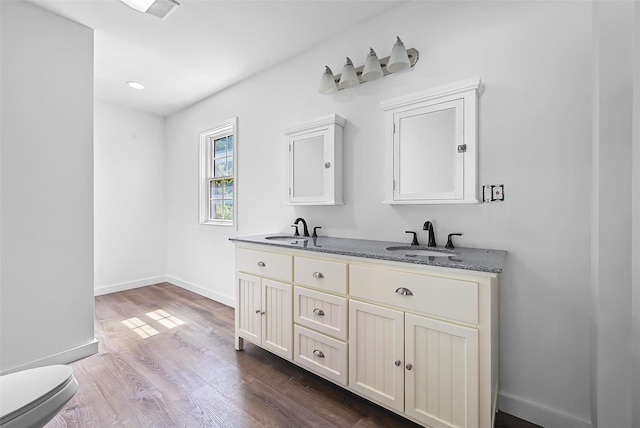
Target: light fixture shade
<point x="349" y="77"/>
<point x="399" y="60"/>
<point x="372" y="69"/>
<point x="327" y="82"/>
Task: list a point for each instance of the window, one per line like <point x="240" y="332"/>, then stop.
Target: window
<point x="218" y="165"/>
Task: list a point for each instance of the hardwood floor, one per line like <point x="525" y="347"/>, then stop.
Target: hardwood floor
<point x="186" y="373"/>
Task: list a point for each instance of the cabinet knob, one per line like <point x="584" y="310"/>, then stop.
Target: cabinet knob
<point x="409" y="366"/>
<point x="404" y="291"/>
<point x="318" y="275"/>
<point x="258" y="311"/>
<point x="319" y="312"/>
<point x="397" y="363"/>
<point x="318" y="353"/>
<point x="261" y="263"/>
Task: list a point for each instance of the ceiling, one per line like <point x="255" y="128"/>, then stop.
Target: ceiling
<point x="204" y="46"/>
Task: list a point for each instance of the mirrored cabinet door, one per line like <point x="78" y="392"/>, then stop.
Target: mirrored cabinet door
<point x="431" y="147"/>
<point x="315" y="162"/>
<point x="307" y="167"/>
<point x="427" y="165"/>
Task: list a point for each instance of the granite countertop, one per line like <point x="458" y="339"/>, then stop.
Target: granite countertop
<point x="474" y="259"/>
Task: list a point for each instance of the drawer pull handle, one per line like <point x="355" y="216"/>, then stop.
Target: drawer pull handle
<point x="397" y="363"/>
<point x="318" y="275"/>
<point x="404" y="291"/>
<point x="409" y="366"/>
<point x="319" y="312"/>
<point x="261" y="263"/>
<point x="318" y="353"/>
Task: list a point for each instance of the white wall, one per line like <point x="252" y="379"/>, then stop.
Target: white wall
<point x="46" y="285"/>
<point x="612" y="214"/>
<point x="130" y="186"/>
<point x="535" y="132"/>
<point x="635" y="230"/>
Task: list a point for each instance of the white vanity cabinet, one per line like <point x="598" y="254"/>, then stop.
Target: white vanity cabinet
<point x="263" y="304"/>
<point x="320" y="316"/>
<point x="423" y="366"/>
<point x="419" y="340"/>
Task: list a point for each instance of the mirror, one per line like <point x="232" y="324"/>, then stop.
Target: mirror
<point x="308" y="165"/>
<point x="315" y="162"/>
<point x="431" y="146"/>
<point x="426" y="161"/>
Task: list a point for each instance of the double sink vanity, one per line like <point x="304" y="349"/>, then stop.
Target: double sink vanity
<point x="412" y="328"/>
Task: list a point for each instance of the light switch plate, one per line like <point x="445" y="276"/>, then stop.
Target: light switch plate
<point x="487" y="193"/>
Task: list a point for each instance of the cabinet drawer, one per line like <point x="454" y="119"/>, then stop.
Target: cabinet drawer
<point x="442" y="297"/>
<point x="323" y="312"/>
<point x="265" y="264"/>
<point x="321" y="274"/>
<point x="321" y="354"/>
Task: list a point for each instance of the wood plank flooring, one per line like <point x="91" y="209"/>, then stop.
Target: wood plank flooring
<point x="186" y="373"/>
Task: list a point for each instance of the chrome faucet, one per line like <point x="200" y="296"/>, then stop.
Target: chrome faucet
<point x="304" y="224"/>
<point x="432" y="239"/>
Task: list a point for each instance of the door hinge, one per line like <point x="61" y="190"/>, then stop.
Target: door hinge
<point x="289" y="148"/>
<point x="394" y="184"/>
<point x="394" y="127"/>
<point x="462" y="148"/>
<point x="289" y="191"/>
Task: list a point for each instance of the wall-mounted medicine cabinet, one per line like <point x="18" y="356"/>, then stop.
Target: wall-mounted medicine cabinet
<point x="432" y="145"/>
<point x="315" y="161"/>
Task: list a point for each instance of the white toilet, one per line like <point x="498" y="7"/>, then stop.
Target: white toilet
<point x="31" y="398"/>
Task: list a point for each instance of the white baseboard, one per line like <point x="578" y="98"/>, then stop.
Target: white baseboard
<point x="539" y="414"/>
<point x="129" y="285"/>
<point x="64" y="357"/>
<point x="224" y="299"/>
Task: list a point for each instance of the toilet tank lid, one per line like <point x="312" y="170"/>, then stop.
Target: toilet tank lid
<point x="20" y="389"/>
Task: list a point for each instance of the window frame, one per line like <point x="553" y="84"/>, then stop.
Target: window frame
<point x="206" y="154"/>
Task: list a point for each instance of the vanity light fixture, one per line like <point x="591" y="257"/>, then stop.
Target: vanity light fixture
<point x="401" y="59"/>
<point x="160" y="8"/>
<point x="135" y="85"/>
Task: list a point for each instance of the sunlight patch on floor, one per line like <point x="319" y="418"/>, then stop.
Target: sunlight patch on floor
<point x="144" y="330"/>
<point x="165" y="318"/>
<point x="139" y="327"/>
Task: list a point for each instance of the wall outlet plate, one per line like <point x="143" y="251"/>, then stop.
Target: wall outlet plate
<point x="493" y="192"/>
<point x="498" y="192"/>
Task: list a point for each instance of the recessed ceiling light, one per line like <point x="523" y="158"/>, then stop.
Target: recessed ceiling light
<point x="135" y="85"/>
<point x="159" y="8"/>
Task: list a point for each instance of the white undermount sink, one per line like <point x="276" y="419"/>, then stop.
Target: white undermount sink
<point x="286" y="238"/>
<point x="417" y="251"/>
